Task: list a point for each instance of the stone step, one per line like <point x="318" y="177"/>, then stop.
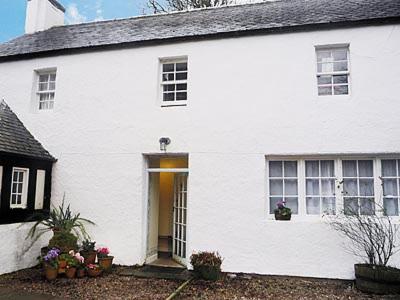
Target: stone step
<point x="158" y="272"/>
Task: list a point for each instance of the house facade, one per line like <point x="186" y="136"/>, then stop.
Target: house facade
<point x="180" y="132"/>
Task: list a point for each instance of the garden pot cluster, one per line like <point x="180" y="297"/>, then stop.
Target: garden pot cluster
<point x="377" y="279"/>
<point x="76" y="264"/>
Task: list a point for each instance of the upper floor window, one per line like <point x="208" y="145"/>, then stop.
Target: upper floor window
<point x="333" y="71"/>
<point x="391" y="186"/>
<point x="46" y="89"/>
<point x="174" y="79"/>
<point x="19" y="188"/>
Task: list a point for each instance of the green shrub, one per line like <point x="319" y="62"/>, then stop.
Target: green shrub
<point x="65" y="241"/>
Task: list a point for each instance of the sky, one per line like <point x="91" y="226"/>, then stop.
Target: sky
<point x="12" y="13"/>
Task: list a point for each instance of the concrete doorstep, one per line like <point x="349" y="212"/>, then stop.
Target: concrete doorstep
<point x="158" y="272"/>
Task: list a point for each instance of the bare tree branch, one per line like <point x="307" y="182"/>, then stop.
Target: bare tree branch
<point x="158" y="6"/>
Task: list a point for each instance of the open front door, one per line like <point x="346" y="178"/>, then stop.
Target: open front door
<point x="152" y="216"/>
<point x="180" y="218"/>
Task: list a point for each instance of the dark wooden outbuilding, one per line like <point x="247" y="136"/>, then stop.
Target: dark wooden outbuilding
<point x="25" y="171"/>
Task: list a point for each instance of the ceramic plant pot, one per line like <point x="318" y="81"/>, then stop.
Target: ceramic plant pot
<point x="90" y="257"/>
<point x="70" y="273"/>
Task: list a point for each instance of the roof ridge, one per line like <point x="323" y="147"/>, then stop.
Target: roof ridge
<point x="176" y="12"/>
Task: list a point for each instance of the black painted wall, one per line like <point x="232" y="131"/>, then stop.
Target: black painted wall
<point x="7" y="215"/>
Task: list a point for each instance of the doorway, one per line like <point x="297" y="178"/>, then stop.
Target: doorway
<point x="167" y="211"/>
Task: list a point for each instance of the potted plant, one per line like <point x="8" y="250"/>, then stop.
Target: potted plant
<point x="282" y="213"/>
<point x="62" y="262"/>
<point x="375" y="238"/>
<point x="66" y="226"/>
<point x="104" y="259"/>
<point x="94" y="270"/>
<point x="207" y="265"/>
<point x="88" y="251"/>
<point x="80" y="265"/>
<point x="50" y="264"/>
<point x="72" y="264"/>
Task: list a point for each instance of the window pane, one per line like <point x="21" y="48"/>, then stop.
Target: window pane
<point x="181" y="96"/>
<point x="366" y="187"/>
<point x="340" y="54"/>
<point x="389" y="167"/>
<point x="290" y="168"/>
<point x="350" y="187"/>
<point x="325" y="79"/>
<point x="365" y="168"/>
<point x="349" y="168"/>
<point x="312" y="204"/>
<point x="312" y="187"/>
<point x="341" y="90"/>
<point x="391" y="206"/>
<point x="52" y="86"/>
<point x="169" y="87"/>
<point x="181" y="76"/>
<point x="390" y="187"/>
<point x="340" y="66"/>
<point x="324" y="56"/>
<point x="324" y="67"/>
<point x="290" y="187"/>
<point x="168" y="77"/>
<point x="273" y="201"/>
<point x="276" y="187"/>
<point x="329" y="205"/>
<point x="168" y="68"/>
<point x="42" y="87"/>
<point x="325" y="90"/>
<point x="327" y="168"/>
<point x="44" y="78"/>
<point x="181" y="87"/>
<point x="169" y="97"/>
<point x="312" y="168"/>
<point x="367" y="206"/>
<point x="275" y="169"/>
<point x="53" y="77"/>
<point x="340" y="79"/>
<point x="292" y="204"/>
<point x="181" y="66"/>
<point x="327" y="187"/>
<point x="19" y="199"/>
<point x="350" y="206"/>
<point x="14" y="188"/>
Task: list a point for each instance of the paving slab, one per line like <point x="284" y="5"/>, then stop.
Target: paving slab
<point x="6" y="294"/>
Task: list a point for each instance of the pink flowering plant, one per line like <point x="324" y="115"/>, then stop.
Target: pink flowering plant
<point x="103" y="252"/>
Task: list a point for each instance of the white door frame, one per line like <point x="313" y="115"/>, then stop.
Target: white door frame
<point x="146" y="190"/>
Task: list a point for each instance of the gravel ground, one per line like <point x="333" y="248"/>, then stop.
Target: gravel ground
<point x="242" y="287"/>
<point x="274" y="287"/>
<point x="111" y="286"/>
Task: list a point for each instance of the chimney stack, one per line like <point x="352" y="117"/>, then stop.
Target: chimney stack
<point x="43" y="14"/>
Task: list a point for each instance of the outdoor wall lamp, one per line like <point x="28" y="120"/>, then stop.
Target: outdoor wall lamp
<point x="164" y="141"/>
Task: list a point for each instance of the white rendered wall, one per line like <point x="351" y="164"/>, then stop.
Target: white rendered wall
<point x="248" y="97"/>
<point x="42" y="15"/>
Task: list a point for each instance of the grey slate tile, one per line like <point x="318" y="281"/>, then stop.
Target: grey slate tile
<point x="16" y="139"/>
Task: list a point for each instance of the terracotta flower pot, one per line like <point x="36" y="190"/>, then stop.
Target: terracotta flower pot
<point x="80" y="273"/>
<point x="50" y="273"/>
<point x="106" y="262"/>
<point x="70" y="273"/>
<point x="62" y="264"/>
<point x="94" y="272"/>
<point x="90" y="257"/>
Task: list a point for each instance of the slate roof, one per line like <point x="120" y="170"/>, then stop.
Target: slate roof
<point x="16" y="139"/>
<point x="263" y="17"/>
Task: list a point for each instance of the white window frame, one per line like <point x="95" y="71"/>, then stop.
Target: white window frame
<point x="24" y="193"/>
<point x="329" y="48"/>
<point x="49" y="103"/>
<point x="175" y="82"/>
<point x="302" y="210"/>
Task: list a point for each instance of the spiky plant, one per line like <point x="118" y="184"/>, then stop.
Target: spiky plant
<point x="60" y="220"/>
